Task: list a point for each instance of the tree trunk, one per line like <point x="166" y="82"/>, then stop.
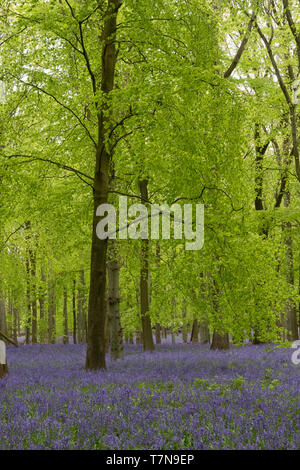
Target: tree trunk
<point x="174" y="328"/>
<point x="15" y="315"/>
<point x="298" y="290"/>
<point x="260" y="151"/>
<point x="95" y="358"/>
<point x="42" y="296"/>
<point x="28" y="303"/>
<point x="157" y="326"/>
<point x="51" y="311"/>
<point x="107" y="327"/>
<point x="3" y="362"/>
<point x="255" y="339"/>
<point x="220" y="341"/>
<point x="3" y="322"/>
<point x="204" y="332"/>
<point x="3" y="370"/>
<point x="116" y="337"/>
<point x="81" y="313"/>
<point x="66" y="327"/>
<point x="184" y="327"/>
<point x="144" y="281"/>
<point x="195" y="331"/>
<point x="138" y="337"/>
<point x="9" y="318"/>
<point x="291" y="309"/>
<point x="158" y="333"/>
<point x="34" y="325"/>
<point x="74" y="313"/>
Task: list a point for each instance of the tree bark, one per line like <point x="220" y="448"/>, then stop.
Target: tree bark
<point x="66" y="327"/>
<point x="185" y="326"/>
<point x="220" y="341"/>
<point x="291" y="309"/>
<point x="95" y="358"/>
<point x="116" y="336"/>
<point x="195" y="332"/>
<point x="138" y="337"/>
<point x="51" y="311"/>
<point x="107" y="327"/>
<point x="204" y="332"/>
<point x="144" y="281"/>
<point x="81" y="313"/>
<point x="42" y="297"/>
<point x="74" y="313"/>
<point x="3" y="322"/>
<point x="34" y="324"/>
<point x="157" y="326"/>
<point x="28" y="303"/>
<point x="28" y="286"/>
<point x="158" y="333"/>
<point x="15" y="315"/>
<point x="3" y="362"/>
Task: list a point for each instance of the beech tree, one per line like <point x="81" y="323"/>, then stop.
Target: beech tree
<point x="165" y="102"/>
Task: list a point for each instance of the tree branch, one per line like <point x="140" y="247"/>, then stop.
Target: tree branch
<point x="87" y="60"/>
<point x="276" y="69"/>
<point x="3" y="335"/>
<point x="79" y="173"/>
<point x="58" y="102"/>
<point x="293" y="119"/>
<point x="13" y="233"/>
<point x="71" y="9"/>
<point x="292" y="27"/>
<point x="210" y="188"/>
<point x="12" y="36"/>
<point x="90" y="14"/>
<point x="260" y="151"/>
<point x="241" y="49"/>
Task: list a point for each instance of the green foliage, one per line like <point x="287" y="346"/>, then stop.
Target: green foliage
<point x="179" y="124"/>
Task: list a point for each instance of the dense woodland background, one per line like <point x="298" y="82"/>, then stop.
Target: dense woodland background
<point x="174" y="100"/>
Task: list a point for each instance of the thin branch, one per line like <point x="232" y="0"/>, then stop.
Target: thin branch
<point x="70" y="43"/>
<point x="120" y="123"/>
<point x="81" y="40"/>
<point x="71" y="9"/>
<point x="87" y="60"/>
<point x="12" y="36"/>
<point x="13" y="233"/>
<point x="58" y="102"/>
<point x="124" y="137"/>
<point x="90" y="14"/>
<point x="136" y="196"/>
<point x="210" y="188"/>
<point x="79" y="173"/>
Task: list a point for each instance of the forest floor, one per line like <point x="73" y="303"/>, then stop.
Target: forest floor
<point x="181" y="396"/>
